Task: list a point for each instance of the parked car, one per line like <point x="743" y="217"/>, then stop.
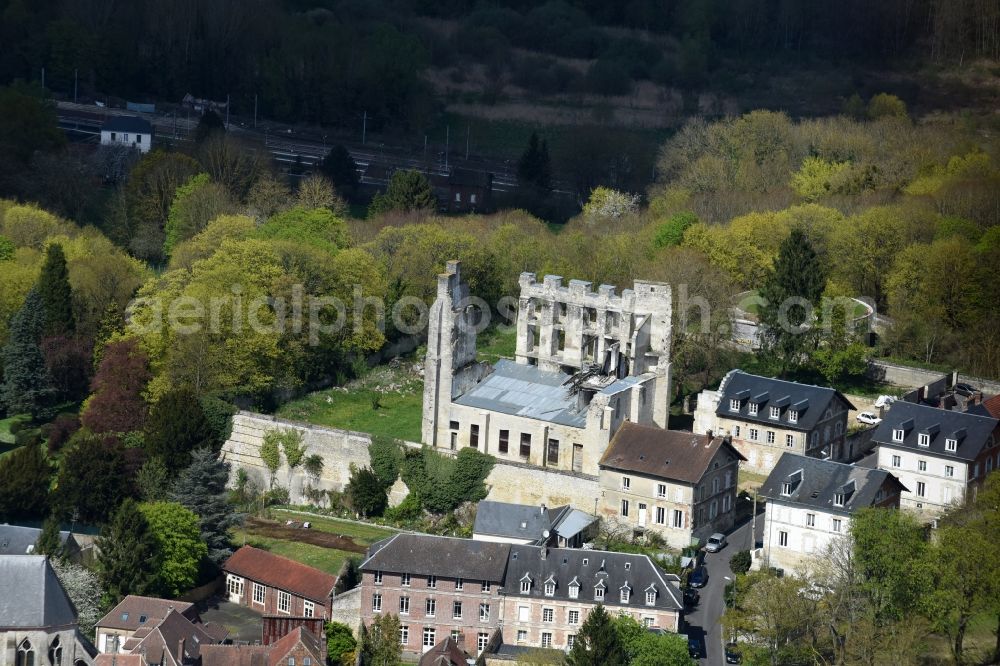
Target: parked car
<point x="691" y="597"/>
<point x="869" y="418"/>
<point x="967" y="390"/>
<point x="698" y="577"/>
<point x="733" y="655"/>
<point x="694" y="647"/>
<point x="716" y="542"/>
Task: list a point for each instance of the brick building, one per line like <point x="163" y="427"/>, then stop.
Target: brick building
<point x="300" y="647"/>
<point x="538" y="597"/>
<point x="136" y="614"/>
<point x="275" y="585"/>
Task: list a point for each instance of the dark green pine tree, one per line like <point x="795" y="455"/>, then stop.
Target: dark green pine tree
<point x="209" y="124"/>
<point x="93" y="478"/>
<point x="48" y="541"/>
<point x="176" y="427"/>
<point x="126" y="554"/>
<point x="597" y="644"/>
<point x="26" y="386"/>
<point x="534" y="168"/>
<point x="25" y="475"/>
<point x="56" y="293"/>
<point x="340" y="168"/>
<point x="791" y="295"/>
<point x="201" y="487"/>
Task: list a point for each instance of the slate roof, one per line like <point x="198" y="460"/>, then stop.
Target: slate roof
<point x="470" y="178"/>
<point x="162" y="644"/>
<point x="426" y="555"/>
<point x="19" y="540"/>
<point x="815" y="482"/>
<point x="135" y="611"/>
<point x="809" y="401"/>
<point x="664" y="454"/>
<point x="972" y="431"/>
<point x="445" y="653"/>
<point x="525" y="390"/>
<point x="282" y="573"/>
<point x="133" y="124"/>
<point x="614" y="570"/>
<point x="516" y="521"/>
<point x="31" y="596"/>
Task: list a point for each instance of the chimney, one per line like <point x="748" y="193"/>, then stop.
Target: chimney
<point x="710" y="434"/>
<point x="545" y="552"/>
<point x="542" y="509"/>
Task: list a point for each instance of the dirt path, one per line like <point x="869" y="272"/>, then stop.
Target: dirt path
<point x="276" y="530"/>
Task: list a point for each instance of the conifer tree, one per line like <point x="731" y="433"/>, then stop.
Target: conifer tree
<point x="56" y="293"/>
<point x="48" y="541"/>
<point x="126" y="554"/>
<point x="26" y="386"/>
<point x="340" y="168"/>
<point x="201" y="487"/>
<point x="534" y="168"/>
<point x="25" y="475"/>
<point x="177" y="426"/>
<point x="598" y="643"/>
<point x="92" y="478"/>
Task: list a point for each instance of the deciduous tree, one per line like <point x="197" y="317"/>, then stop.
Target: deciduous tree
<point x="379" y="643"/>
<point x="117" y="405"/>
<point x="340" y="644"/>
<point x="179" y="548"/>
<point x="408" y="191"/>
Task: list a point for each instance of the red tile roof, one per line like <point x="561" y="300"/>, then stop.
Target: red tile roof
<point x="133" y="608"/>
<point x="282" y="573"/>
<point x="667" y="454"/>
<point x="993" y="406"/>
<point x="277" y="652"/>
<point x="120" y="660"/>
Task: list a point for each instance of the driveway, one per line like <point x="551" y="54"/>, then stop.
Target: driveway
<point x="703" y="621"/>
<point x="244" y="625"/>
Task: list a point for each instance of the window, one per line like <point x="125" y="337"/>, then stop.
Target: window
<point x="55" y="652"/>
<point x="896" y="461"/>
<point x="474" y="435"/>
<point x="404" y="605"/>
<point x="523" y="614"/>
<point x="25" y="654"/>
<point x="648" y="622"/>
<point x="922" y="465"/>
<point x="291" y="661"/>
<point x="234" y="585"/>
<point x="949" y="470"/>
<point x="546" y="639"/>
<point x="599" y="593"/>
<point x="376" y="603"/>
<point x="284" y="601"/>
<point x="793" y="416"/>
<point x="752" y="409"/>
<point x="307" y="661"/>
<point x="734" y="405"/>
<point x="378" y="577"/>
<point x="504" y="440"/>
<point x="404" y="635"/>
<point x="921" y="488"/>
<point x="736" y="431"/>
<point x="472" y="199"/>
<point x="661" y="515"/>
<point x="550" y="589"/>
<point x="458" y="197"/>
<point x="453" y="425"/>
<point x="429" y="637"/>
<point x="838" y="428"/>
<point x="573" y="617"/>
<point x="727" y="503"/>
<point x="430" y="607"/>
<point x="715" y="485"/>
<point x="487" y="586"/>
<point x="786" y="488"/>
<point x="142" y="619"/>
<point x="838" y="499"/>
<point x="525" y="445"/>
<point x="553" y="452"/>
<point x="923" y="439"/>
<point x="775" y="412"/>
<point x="456" y="610"/>
<point x="770" y="437"/>
<point x="574" y="590"/>
<point x="484" y="612"/>
<point x="810" y="520"/>
<point x="570" y="641"/>
<point x="836" y="524"/>
<point x="975" y="471"/>
<point x="432" y="581"/>
<point x="898" y="434"/>
<point x="729" y="479"/>
<point x="481" y="642"/>
<point x="783" y="539"/>
<point x="625" y="508"/>
<point x="459" y="584"/>
<point x="548" y="615"/>
<point x="525" y="585"/>
<point x="678" y="518"/>
<point x="661" y="490"/>
<point x="650" y="597"/>
<point x="753" y="434"/>
<point x="951" y="445"/>
<point x="308" y="609"/>
<point x="404" y="580"/>
<point x="626" y="483"/>
<point x="258" y="593"/>
<point x="522" y="635"/>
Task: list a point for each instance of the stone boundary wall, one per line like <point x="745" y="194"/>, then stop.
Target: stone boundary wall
<point x="911" y="377"/>
<point x="346" y="609"/>
<point x="508" y="482"/>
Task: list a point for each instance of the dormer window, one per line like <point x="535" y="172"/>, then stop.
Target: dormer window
<point x="550" y="587"/>
<point x="626" y="593"/>
<point x="776" y="412"/>
<point x="574" y="589"/>
<point x="734" y="405"/>
<point x="786" y="488"/>
<point x="793" y="416"/>
<point x="526" y="584"/>
<point x="898" y="434"/>
<point x="752" y="409"/>
<point x="923" y="439"/>
<point x="951" y="445"/>
<point x="651" y="595"/>
<point x="599" y="591"/>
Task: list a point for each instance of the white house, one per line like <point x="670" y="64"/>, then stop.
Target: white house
<point x="810" y="503"/>
<point x="939" y="455"/>
<point x="130" y="131"/>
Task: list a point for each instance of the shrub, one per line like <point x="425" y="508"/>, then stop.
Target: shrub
<point x="32" y="437"/>
<point x="59" y="431"/>
<point x="671" y="232"/>
<point x="740" y="562"/>
<point x="407" y="511"/>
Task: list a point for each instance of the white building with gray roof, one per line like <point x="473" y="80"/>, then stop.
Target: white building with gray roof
<point x="562" y="526"/>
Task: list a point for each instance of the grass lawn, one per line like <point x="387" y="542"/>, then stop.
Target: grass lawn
<point x="400" y="396"/>
<point x="5" y="435"/>
<point x="364" y="534"/>
<point x="324" y="559"/>
<point x="496" y="344"/>
<point x="749" y="480"/>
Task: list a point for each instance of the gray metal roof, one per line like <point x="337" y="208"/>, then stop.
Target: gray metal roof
<point x="574" y="522"/>
<point x="524" y="390"/>
<point x="447" y="557"/>
<point x="19" y="540"/>
<point x="810" y="401"/>
<point x="972" y="431"/>
<point x="31" y="596"/>
<point x="133" y="124"/>
<point x="815" y="482"/>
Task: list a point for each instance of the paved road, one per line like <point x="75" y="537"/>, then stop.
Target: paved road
<point x="703" y="621"/>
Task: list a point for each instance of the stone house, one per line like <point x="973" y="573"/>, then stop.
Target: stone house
<point x="810" y="503"/>
<point x="134" y="614"/>
<point x="537" y="596"/>
<point x="38" y="623"/>
<point x="768" y="417"/>
<point x="680" y="485"/>
<point x="938" y="454"/>
<point x="275" y="585"/>
<point x="586" y="362"/>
